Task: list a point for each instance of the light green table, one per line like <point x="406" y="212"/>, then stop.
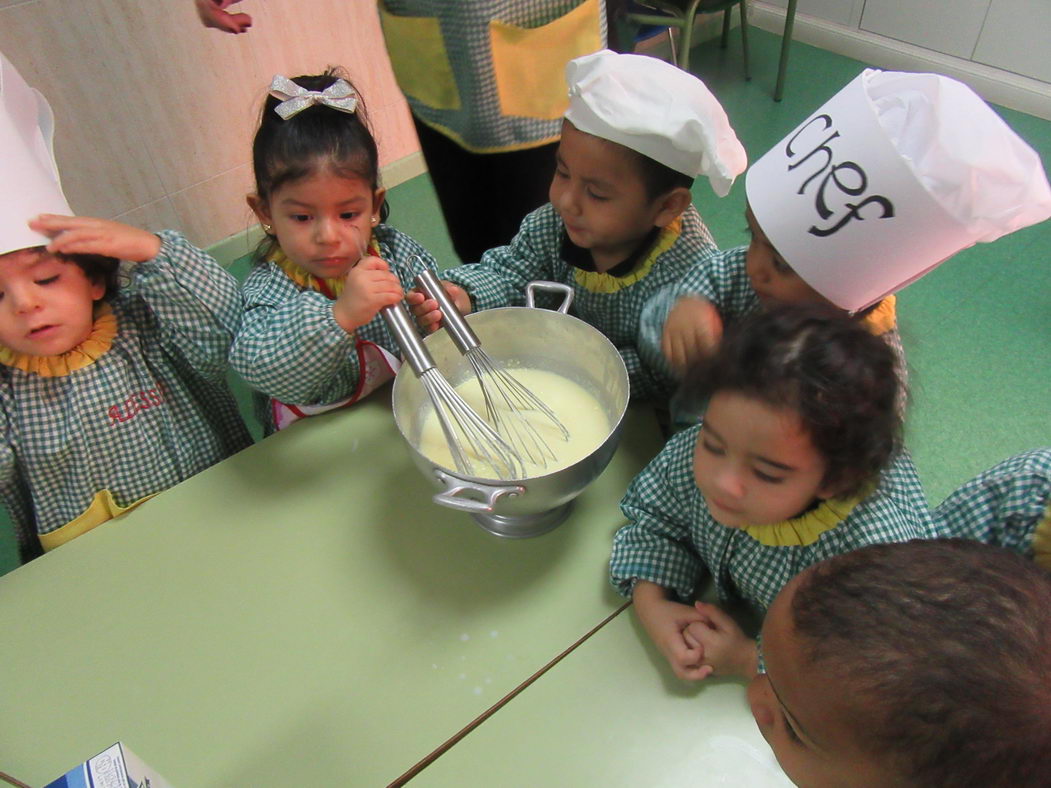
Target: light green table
<point x="300" y="614"/>
<point x="612" y="714"/>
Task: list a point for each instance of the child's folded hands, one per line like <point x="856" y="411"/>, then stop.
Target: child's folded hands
<point x="726" y="650"/>
<point x="666" y="621"/>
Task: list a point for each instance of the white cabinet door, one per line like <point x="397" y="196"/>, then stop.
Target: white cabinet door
<point x="1017" y="37"/>
<point x="950" y="26"/>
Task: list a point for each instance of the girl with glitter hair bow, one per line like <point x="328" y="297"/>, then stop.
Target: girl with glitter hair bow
<point x="312" y="338"/>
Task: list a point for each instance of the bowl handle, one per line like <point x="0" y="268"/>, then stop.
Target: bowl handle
<point x="454" y="485"/>
<point x="550" y="287"/>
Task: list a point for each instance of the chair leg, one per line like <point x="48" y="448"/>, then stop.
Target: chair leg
<point x="684" y="47"/>
<point x="726" y="28"/>
<point x="786" y="40"/>
<point x="744" y="37"/>
<point x="686" y="39"/>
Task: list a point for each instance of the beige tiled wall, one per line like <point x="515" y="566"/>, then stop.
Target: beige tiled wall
<point x="155" y="113"/>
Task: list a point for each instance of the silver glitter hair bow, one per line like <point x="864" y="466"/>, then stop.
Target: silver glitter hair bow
<point x="294" y="98"/>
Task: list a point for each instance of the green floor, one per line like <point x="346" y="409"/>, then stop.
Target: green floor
<point x="977" y="331"/>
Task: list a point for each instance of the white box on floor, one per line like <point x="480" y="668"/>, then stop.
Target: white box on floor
<point x="114" y="767"/>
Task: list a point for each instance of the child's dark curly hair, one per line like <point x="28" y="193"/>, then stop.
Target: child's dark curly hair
<point x="943" y="645"/>
<point x="817" y="361"/>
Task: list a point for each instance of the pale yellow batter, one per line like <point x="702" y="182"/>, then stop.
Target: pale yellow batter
<point x="576" y="408"/>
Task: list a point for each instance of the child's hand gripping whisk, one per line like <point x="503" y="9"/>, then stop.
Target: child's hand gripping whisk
<point x="476" y="448"/>
<point x="509" y="406"/>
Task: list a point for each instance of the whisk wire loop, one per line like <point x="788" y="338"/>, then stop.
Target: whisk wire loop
<point x="498" y="386"/>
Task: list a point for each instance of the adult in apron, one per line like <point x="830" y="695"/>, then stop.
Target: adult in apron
<point x="485" y="80"/>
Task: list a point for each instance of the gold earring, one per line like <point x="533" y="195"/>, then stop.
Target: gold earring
<point x="266" y="229"/>
<point x="375" y="219"/>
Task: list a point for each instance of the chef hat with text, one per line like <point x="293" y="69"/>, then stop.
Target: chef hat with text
<point x="889" y="178"/>
<point x="29" y="174"/>
<point x="658" y="110"/>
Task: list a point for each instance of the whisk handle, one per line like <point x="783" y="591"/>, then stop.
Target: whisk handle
<point x="452" y="321"/>
<point x="402" y="327"/>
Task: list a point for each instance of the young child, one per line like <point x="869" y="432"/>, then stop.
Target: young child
<point x="893" y="175"/>
<point x="919" y="664"/>
<point x="312" y="338"/>
<point x="797" y="458"/>
<point x="108" y="395"/>
<point x="620" y="224"/>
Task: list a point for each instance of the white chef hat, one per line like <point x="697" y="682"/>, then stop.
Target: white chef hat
<point x="659" y="110"/>
<point x="893" y="175"/>
<point x="30" y="177"/>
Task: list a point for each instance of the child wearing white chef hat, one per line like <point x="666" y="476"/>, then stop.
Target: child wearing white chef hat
<point x="108" y="394"/>
<point x="888" y="179"/>
<point x="621" y="223"/>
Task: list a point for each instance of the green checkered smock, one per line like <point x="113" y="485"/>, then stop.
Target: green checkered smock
<point x="151" y="412"/>
<point x="671" y="538"/>
<point x="290" y="346"/>
<point x="1008" y="505"/>
<point x="722" y="280"/>
<point x="500" y="279"/>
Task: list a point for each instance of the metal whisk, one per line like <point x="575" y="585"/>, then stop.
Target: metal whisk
<point x="497" y="384"/>
<point x="465" y="431"/>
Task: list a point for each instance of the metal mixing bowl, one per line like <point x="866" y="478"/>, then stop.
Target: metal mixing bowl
<point x="529" y="338"/>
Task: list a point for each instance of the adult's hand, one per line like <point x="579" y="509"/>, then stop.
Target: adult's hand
<point x="213" y="14"/>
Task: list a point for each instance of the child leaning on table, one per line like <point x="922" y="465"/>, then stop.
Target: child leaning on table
<point x="312" y="338"/>
<point x="620" y="224"/>
<point x="921" y="665"/>
<point x="797" y="458"/>
<point x="1007" y="506"/>
<point x="893" y="175"/>
<point x="108" y="395"/>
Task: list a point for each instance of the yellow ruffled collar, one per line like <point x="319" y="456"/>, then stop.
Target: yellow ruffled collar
<point x="595" y="282"/>
<point x="883" y="318"/>
<point x="808" y="527"/>
<point x="302" y="277"/>
<point x="99" y="341"/>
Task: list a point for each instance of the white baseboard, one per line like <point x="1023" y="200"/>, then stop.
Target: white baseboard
<point x="995" y="85"/>
<point x="239" y="244"/>
<point x="404" y="169"/>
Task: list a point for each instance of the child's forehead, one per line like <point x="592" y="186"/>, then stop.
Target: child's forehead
<point x="26" y="259"/>
<point x="598" y="151"/>
<point x="328" y="179"/>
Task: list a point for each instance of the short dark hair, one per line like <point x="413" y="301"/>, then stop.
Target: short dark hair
<point x="659" y="179"/>
<point x="945" y="645"/>
<point x="97" y="268"/>
<point x="815" y="360"/>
